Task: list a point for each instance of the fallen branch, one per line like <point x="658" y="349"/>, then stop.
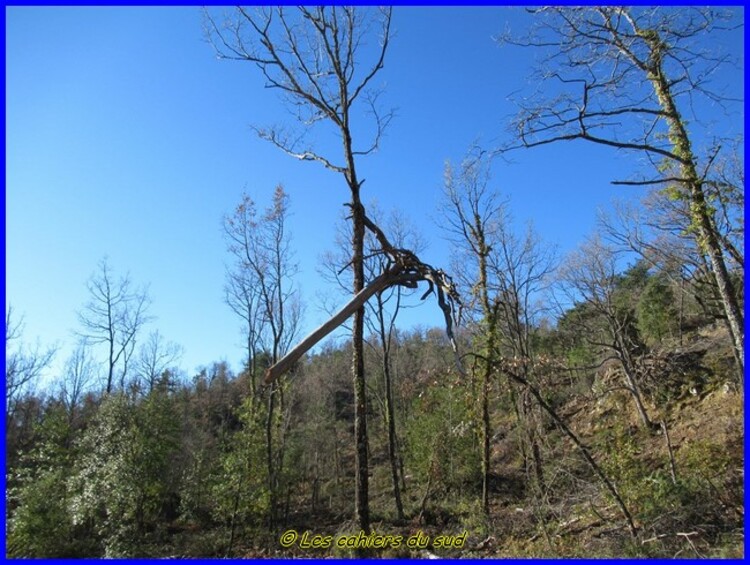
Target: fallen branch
<point x="672" y="468"/>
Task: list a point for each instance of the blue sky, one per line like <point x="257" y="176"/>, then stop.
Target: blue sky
<point x="126" y="137"/>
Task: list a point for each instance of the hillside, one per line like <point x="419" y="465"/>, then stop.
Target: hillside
<point x="523" y="336"/>
<point x="699" y="514"/>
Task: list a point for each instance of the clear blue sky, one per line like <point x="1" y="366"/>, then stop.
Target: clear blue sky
<point x="126" y="137"/>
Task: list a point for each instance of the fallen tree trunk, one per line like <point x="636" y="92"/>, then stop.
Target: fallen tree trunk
<point x="390" y="277"/>
<point x="405" y="269"/>
<point x="358" y="300"/>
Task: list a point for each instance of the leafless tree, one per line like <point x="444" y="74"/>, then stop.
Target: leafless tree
<point x="381" y="320"/>
<point x="22" y="367"/>
<point x="470" y="209"/>
<point x="243" y="297"/>
<point x="79" y="373"/>
<point x="623" y="78"/>
<point x="507" y="274"/>
<point x="317" y="59"/>
<point x="261" y="278"/>
<point x="261" y="290"/>
<point x="509" y="368"/>
<point x="589" y="277"/>
<point x="520" y="267"/>
<point x="659" y="232"/>
<point x="154" y="357"/>
<point x="113" y="316"/>
<point x="381" y="314"/>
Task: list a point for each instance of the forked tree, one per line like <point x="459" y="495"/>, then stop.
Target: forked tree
<point x="261" y="290"/>
<point x="380" y="319"/>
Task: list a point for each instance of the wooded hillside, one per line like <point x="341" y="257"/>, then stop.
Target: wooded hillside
<point x="579" y="404"/>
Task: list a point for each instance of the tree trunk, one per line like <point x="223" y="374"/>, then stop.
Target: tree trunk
<point x="390" y="415"/>
<point x="111" y="372"/>
<point x="531" y="436"/>
<point x="269" y="456"/>
<point x="582" y="448"/>
<point x="361" y="502"/>
<point x="486" y="441"/>
<point x="390" y="418"/>
<point x="705" y="231"/>
<point x="490" y="315"/>
<point x="628" y="369"/>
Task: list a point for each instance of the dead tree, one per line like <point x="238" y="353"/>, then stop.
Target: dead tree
<point x="380" y="320"/>
<point x="403" y="268"/>
<point x="316" y="58"/>
<point x="622" y="78"/>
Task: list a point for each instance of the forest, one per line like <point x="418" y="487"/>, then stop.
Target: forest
<point x="586" y="404"/>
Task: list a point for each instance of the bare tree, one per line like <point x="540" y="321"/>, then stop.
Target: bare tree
<point x="511" y="370"/>
<point x="520" y="267"/>
<point x="381" y="314"/>
<point x="22" y="367"/>
<point x="156" y="356"/>
<point x="315" y="60"/>
<point x="660" y="230"/>
<point x="113" y="316"/>
<point x="507" y="274"/>
<point x="590" y="278"/>
<point x="316" y="57"/>
<point x="261" y="290"/>
<point x="79" y="372"/>
<point x="242" y="296"/>
<point x="622" y="78"/>
<point x="470" y="208"/>
<point x="725" y="191"/>
<point x="381" y="320"/>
